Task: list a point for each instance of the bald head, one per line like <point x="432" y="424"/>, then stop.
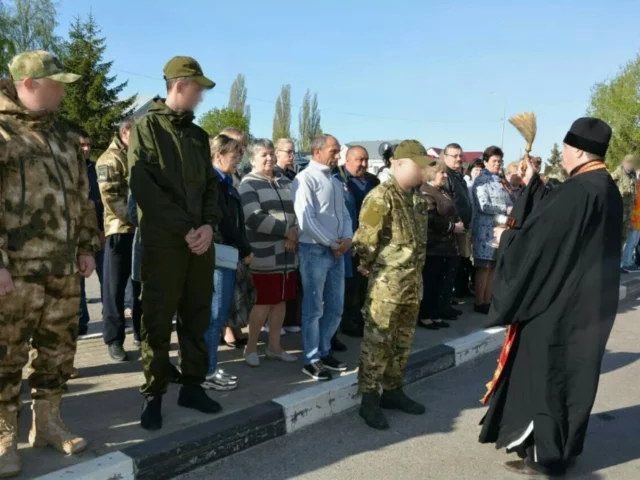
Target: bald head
<point x="357" y="161"/>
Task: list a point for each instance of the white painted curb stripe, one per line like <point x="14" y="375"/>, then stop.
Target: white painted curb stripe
<point x="114" y="465"/>
<point x="476" y="344"/>
<point x="312" y="404"/>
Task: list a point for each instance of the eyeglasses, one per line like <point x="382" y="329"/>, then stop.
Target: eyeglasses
<point x="288" y="152"/>
<point x="460" y="155"/>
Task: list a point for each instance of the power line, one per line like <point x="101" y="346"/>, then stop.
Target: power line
<point x="217" y="91"/>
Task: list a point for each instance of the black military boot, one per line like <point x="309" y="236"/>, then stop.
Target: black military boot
<point x="151" y="418"/>
<point x="397" y="400"/>
<point x="194" y="396"/>
<point x="371" y="413"/>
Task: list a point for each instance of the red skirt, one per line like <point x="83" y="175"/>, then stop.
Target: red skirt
<point x="275" y="288"/>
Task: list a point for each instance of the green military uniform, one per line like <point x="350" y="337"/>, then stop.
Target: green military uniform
<point x="627" y="185"/>
<point x="391" y="242"/>
<point x="112" y="169"/>
<point x="46" y="222"/>
<point x="174" y="185"/>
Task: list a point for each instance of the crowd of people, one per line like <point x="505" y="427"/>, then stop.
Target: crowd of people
<point x="165" y="213"/>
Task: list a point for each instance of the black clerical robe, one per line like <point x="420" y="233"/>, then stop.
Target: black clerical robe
<point x="556" y="285"/>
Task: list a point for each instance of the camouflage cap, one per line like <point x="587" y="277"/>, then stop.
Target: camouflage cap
<point x="39" y="64"/>
<point x="415" y="151"/>
<point x="181" y="67"/>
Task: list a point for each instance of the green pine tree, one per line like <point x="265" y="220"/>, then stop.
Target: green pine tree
<point x="93" y="101"/>
<point x="556" y="157"/>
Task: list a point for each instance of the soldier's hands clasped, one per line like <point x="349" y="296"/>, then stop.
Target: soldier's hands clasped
<point x="6" y="282"/>
<point x="200" y="240"/>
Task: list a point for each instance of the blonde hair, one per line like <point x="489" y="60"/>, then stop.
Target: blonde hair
<point x="513" y="167"/>
<point x="432" y="170"/>
<point x="281" y="141"/>
<point x="237" y="134"/>
<point x="224" y="144"/>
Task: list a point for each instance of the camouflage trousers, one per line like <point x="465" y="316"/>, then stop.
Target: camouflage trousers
<point x="388" y="335"/>
<point x="43" y="310"/>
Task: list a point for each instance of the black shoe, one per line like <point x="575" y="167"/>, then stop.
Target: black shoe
<point x="454" y="302"/>
<point x="397" y="400"/>
<point x="428" y="326"/>
<point x="117" y="353"/>
<point x="238" y="343"/>
<point x="483" y="309"/>
<point x="622" y="270"/>
<point x="174" y="374"/>
<point x="371" y="413"/>
<point x="194" y="396"/>
<point x="83" y="330"/>
<point x="317" y="371"/>
<point x="332" y="364"/>
<point x="137" y="344"/>
<point x="337" y="345"/>
<point x="151" y="418"/>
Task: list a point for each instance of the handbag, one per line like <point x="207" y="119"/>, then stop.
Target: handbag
<point x="226" y="256"/>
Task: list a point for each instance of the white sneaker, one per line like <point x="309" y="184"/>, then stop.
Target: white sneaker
<point x="283" y="332"/>
<point x="282" y="356"/>
<point x="293" y="329"/>
<point x="251" y="359"/>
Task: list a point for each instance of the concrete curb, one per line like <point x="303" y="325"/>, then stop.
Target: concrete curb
<point x="178" y="452"/>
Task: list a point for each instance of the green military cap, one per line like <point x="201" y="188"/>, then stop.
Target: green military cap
<point x="415" y="151"/>
<point x="39" y="64"/>
<point x="181" y="67"/>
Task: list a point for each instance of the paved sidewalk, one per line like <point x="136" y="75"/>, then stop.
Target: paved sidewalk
<point x="104" y="404"/>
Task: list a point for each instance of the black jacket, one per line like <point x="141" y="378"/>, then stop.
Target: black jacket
<point x="231" y="229"/>
<point x="460" y="193"/>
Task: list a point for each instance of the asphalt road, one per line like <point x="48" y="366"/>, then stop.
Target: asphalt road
<point x="443" y="444"/>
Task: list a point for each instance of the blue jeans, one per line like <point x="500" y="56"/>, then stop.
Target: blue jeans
<point x="322" y="276"/>
<point x="84" y="311"/>
<point x="224" y="282"/>
<point x="629" y="247"/>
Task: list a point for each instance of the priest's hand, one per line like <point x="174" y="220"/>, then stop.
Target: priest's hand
<point x="497" y="233"/>
<point x="531" y="169"/>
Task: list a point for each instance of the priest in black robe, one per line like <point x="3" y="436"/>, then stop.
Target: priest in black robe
<point x="556" y="288"/>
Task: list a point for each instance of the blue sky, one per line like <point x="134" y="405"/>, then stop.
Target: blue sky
<point x="439" y="71"/>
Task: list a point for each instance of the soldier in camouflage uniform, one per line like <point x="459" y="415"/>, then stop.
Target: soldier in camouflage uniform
<point x="112" y="170"/>
<point x="391" y="242"/>
<point x="48" y="235"/>
<point x="625" y="178"/>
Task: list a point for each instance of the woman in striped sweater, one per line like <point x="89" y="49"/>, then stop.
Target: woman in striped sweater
<point x="272" y="231"/>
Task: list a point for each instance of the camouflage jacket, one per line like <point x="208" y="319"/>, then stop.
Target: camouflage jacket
<point x="391" y="242"/>
<point x="627" y="185"/>
<point x="113" y="171"/>
<point x="46" y="217"/>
